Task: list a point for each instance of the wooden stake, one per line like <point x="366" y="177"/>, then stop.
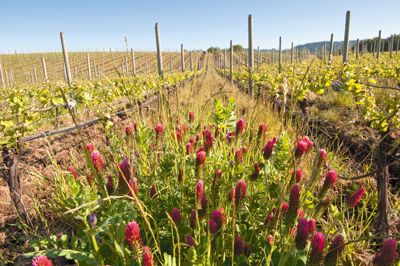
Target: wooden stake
<point x="291" y="54"/>
<point x="357" y="48"/>
<point x="190" y="61"/>
<point x="346" y="38"/>
<point x="331" y="49"/>
<point x="280" y="55"/>
<point x="133" y="62"/>
<point x="2" y="77"/>
<point x="250" y="53"/>
<point x="182" y="59"/>
<point x="66" y="59"/>
<point x="159" y="56"/>
<point x="35" y="75"/>
<point x="231" y="62"/>
<point x="44" y="69"/>
<point x="378" y="49"/>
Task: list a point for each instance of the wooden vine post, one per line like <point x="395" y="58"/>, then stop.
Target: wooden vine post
<point x="190" y="61"/>
<point x="250" y="53"/>
<point x="378" y="49"/>
<point x="291" y="54"/>
<point x="280" y="55"/>
<point x="66" y="59"/>
<point x="224" y="62"/>
<point x="231" y="61"/>
<point x="89" y="71"/>
<point x="357" y="48"/>
<point x="391" y="45"/>
<point x="35" y="75"/>
<point x="133" y="62"/>
<point x="346" y="38"/>
<point x="159" y="55"/>
<point x="182" y="59"/>
<point x="2" y="76"/>
<point x="46" y="78"/>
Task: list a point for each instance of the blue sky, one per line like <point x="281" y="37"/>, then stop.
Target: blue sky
<point x="28" y="26"/>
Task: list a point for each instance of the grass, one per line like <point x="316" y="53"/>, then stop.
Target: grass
<point x="160" y="165"/>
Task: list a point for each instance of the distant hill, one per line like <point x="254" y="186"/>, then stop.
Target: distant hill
<point x="312" y="46"/>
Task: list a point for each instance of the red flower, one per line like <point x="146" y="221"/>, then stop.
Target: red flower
<point x="132" y="233"/>
<point x="355" y="197"/>
<point x="192" y="141"/>
<point x="41" y="261"/>
<point x="191" y="117"/>
<point x="190" y="242"/>
<point x="231" y="195"/>
<point x="178" y="136"/>
<point x="267" y="151"/>
<point x="147" y="257"/>
<point x="98" y="161"/>
<point x="130" y="129"/>
<point x="322" y="156"/>
<point x="240" y="125"/>
<point x="284" y="206"/>
<point x="335" y="250"/>
<point x="310" y="144"/>
<point x="301" y="148"/>
<point x="230" y="136"/>
<point x="193" y="222"/>
<point x="189" y="148"/>
<point x="312" y="225"/>
<point x="203" y="206"/>
<point x="159" y="129"/>
<point x="269" y="216"/>
<point x="256" y="171"/>
<point x="331" y="177"/>
<point x="262" y="128"/>
<point x="330" y="180"/>
<point x="208" y="139"/>
<point x="125" y="168"/>
<point x="270" y="240"/>
<point x="388" y="253"/>
<point x="212" y="226"/>
<point x="199" y="190"/>
<point x="73" y="171"/>
<point x="201" y="157"/>
<point x="294" y="201"/>
<point x="109" y="184"/>
<point x="217" y="219"/>
<point x="239" y="156"/>
<point x="240" y="191"/>
<point x="299" y="175"/>
<point x="90" y="147"/>
<point x="317" y="248"/>
<point x="300" y="213"/>
<point x="184" y="129"/>
<point x="176" y="216"/>
<point x="303" y="230"/>
<point x="246" y="250"/>
<point x="153" y="191"/>
<point x="238" y="245"/>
